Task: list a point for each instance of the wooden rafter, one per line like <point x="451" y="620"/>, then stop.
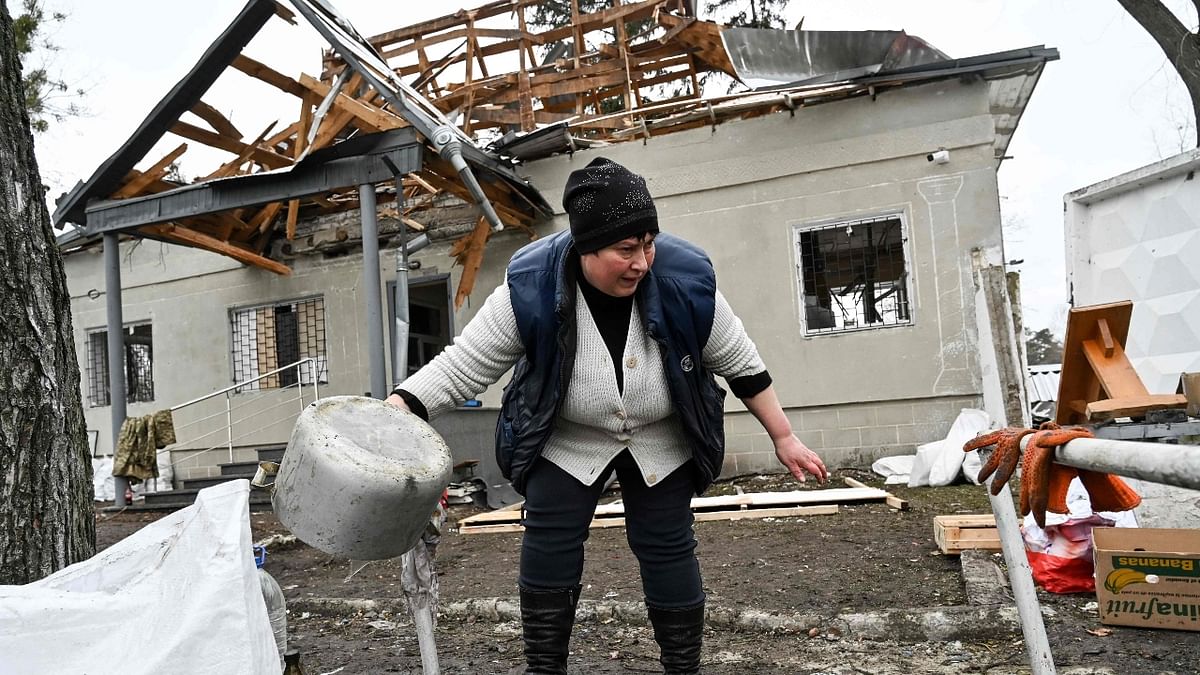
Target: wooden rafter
<point x="267" y="74"/>
<point x="233" y="166"/>
<point x="233" y="145"/>
<point x="470" y="255"/>
<point x="306" y="118"/>
<point x="572" y="90"/>
<point x="374" y="117"/>
<point x="219" y="122"/>
<point x="138" y="183"/>
<point x="192" y="237"/>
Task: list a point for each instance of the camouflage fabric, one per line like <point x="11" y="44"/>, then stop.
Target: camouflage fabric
<point x="164" y="429"/>
<point x="138" y="444"/>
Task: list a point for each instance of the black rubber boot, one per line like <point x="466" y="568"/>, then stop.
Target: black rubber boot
<point x="546" y="621"/>
<point x="679" y="634"/>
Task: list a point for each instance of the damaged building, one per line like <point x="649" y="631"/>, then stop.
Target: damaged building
<point x="846" y="191"/>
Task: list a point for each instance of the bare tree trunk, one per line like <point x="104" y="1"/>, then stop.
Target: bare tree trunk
<point x="46" y="516"/>
<point x="1181" y="46"/>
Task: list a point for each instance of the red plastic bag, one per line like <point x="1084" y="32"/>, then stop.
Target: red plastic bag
<point x="1061" y="555"/>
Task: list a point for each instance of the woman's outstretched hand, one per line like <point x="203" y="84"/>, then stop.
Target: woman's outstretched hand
<point x="798" y="459"/>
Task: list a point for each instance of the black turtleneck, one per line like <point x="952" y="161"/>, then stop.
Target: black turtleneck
<point x="611" y="315"/>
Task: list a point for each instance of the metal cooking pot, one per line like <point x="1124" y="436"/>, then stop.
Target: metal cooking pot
<point x="360" y="477"/>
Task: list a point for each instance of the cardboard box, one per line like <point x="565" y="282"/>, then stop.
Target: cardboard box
<point x="1148" y="577"/>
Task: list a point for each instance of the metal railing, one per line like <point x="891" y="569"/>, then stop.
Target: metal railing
<point x="243" y="415"/>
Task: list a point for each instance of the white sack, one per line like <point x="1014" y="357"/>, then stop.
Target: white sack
<point x="895" y="469"/>
<point x="104" y="485"/>
<point x="166" y="475"/>
<point x="181" y="595"/>
<point x="102" y="479"/>
<point x="940" y="462"/>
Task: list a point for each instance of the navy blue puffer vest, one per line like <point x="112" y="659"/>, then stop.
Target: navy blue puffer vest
<point x="676" y="300"/>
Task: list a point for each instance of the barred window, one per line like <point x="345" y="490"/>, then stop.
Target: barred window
<point x="273" y="336"/>
<point x="853" y="275"/>
<point x="139" y="365"/>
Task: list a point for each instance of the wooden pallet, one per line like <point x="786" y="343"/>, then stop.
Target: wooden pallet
<point x="725" y="507"/>
<point x="955" y="534"/>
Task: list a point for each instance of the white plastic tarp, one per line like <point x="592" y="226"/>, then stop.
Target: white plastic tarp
<point x="181" y="595"/>
<point x="940" y="462"/>
<point x="102" y="479"/>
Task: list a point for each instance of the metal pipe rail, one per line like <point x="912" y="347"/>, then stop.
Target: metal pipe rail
<point x="243" y="384"/>
<point x="246" y="385"/>
<point x="1177" y="465"/>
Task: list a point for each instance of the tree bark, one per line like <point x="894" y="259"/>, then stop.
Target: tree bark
<point x="1181" y="46"/>
<point x="46" y="511"/>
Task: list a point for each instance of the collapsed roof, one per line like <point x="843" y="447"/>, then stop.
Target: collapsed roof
<point x="501" y="84"/>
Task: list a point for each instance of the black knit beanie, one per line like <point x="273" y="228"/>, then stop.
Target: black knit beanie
<point x="607" y="203"/>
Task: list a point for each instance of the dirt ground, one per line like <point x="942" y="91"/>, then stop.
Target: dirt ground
<point x="867" y="558"/>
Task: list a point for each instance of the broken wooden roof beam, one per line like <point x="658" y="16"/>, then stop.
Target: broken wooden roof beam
<point x="323" y="171"/>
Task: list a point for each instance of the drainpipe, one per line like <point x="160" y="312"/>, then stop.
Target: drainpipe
<point x="400" y="335"/>
<point x="400" y="303"/>
<point x="400" y="307"/>
<point x="116" y="349"/>
<point x="371" y="280"/>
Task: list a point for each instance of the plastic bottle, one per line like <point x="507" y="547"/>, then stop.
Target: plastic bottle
<point x="291" y="663"/>
<point x="273" y="595"/>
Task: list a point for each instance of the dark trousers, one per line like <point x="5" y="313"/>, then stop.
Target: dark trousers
<point x="658" y="525"/>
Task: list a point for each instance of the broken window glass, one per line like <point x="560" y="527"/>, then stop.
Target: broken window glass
<point x="854" y="275"/>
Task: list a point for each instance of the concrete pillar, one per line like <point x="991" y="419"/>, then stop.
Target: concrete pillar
<point x="116" y="348"/>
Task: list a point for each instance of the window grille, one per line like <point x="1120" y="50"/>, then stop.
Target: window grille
<point x="139" y="366"/>
<point x="853" y="275"/>
<point x="273" y="336"/>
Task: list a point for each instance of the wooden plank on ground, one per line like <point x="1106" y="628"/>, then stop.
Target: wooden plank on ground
<point x="829" y="496"/>
<point x="750" y="502"/>
<point x="892" y="500"/>
<point x="606" y="521"/>
<point x="747" y="500"/>
<point x="956" y="533"/>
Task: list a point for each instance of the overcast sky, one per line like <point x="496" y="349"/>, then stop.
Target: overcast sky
<point x="1111" y="104"/>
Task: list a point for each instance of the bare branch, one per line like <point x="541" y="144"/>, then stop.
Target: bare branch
<point x="1162" y="25"/>
<point x="1181" y="46"/>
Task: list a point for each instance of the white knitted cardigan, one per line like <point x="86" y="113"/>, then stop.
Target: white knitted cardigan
<point x="597" y="420"/>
